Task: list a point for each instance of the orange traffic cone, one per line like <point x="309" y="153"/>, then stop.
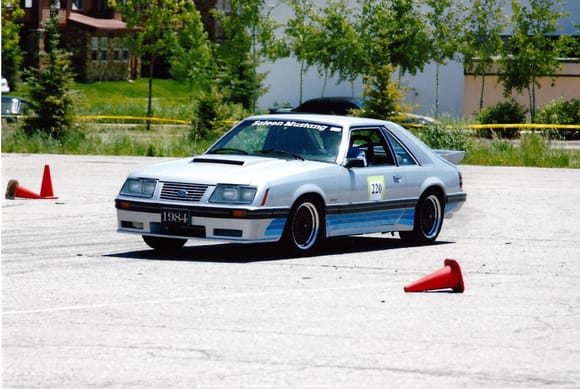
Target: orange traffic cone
<point x="46" y="186"/>
<point x="447" y="277"/>
<point x="15" y="190"/>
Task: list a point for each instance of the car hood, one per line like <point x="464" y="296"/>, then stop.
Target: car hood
<point x="230" y="169"/>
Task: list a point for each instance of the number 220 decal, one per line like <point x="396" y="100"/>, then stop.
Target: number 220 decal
<point x="376" y="187"/>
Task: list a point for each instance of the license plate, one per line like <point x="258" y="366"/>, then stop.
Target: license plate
<point x="175" y="216"/>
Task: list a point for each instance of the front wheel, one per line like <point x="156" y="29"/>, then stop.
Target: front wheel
<point x="164" y="244"/>
<point x="428" y="220"/>
<point x="304" y="229"/>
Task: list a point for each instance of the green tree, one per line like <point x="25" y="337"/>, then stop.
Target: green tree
<point x="409" y="40"/>
<point x="298" y="31"/>
<point x="152" y="26"/>
<point x="372" y="28"/>
<point x="191" y="55"/>
<point x="391" y="34"/>
<point x="51" y="95"/>
<point x="482" y="42"/>
<point x="444" y="22"/>
<point x="568" y="46"/>
<point x="384" y="96"/>
<point x="529" y="53"/>
<point x="11" y="52"/>
<point x="334" y="41"/>
<point x="249" y="38"/>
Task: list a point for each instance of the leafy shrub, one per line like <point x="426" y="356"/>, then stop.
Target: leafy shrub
<point x="383" y="96"/>
<point x="213" y="116"/>
<point x="507" y="112"/>
<point x="534" y="150"/>
<point x="439" y="137"/>
<point x="208" y="111"/>
<point x="561" y="112"/>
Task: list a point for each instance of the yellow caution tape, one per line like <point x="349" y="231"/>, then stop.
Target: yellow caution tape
<point x="526" y="126"/>
<point x="139" y="118"/>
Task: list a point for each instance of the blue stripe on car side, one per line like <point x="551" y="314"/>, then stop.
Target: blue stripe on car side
<point x="408" y="217"/>
<point x="276" y="227"/>
<point x="367" y="219"/>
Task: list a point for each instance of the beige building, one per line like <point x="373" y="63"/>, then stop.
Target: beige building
<point x="564" y="84"/>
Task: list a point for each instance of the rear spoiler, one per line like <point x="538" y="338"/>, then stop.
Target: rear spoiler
<point x="453" y="156"/>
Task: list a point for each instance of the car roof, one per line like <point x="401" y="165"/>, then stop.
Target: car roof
<point x="330" y="105"/>
<point x="333" y="99"/>
<point x="335" y="120"/>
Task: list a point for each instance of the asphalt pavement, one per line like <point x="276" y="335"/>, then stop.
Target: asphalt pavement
<point x="84" y="306"/>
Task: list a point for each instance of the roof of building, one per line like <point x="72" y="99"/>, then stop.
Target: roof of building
<point x="98" y="24"/>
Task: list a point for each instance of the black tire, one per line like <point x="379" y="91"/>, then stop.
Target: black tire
<point x="429" y="214"/>
<point x="305" y="227"/>
<point x="164" y="244"/>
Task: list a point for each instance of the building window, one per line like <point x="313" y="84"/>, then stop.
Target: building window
<point x="94" y="49"/>
<point x="104" y="51"/>
<point x="77" y="5"/>
<point x="27" y="3"/>
<point x="58" y="4"/>
<point x="125" y="53"/>
<point x="117" y="46"/>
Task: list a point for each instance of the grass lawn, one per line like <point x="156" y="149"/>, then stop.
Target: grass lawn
<point x="171" y="99"/>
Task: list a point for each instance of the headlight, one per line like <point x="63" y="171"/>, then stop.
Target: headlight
<point x="233" y="194"/>
<point x="140" y="187"/>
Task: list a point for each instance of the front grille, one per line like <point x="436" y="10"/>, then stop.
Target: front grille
<point x="182" y="191"/>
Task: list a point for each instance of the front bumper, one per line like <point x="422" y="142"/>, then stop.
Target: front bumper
<point x="231" y="224"/>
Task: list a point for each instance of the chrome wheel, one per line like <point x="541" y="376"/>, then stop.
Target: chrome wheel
<point x="428" y="219"/>
<point x="304" y="229"/>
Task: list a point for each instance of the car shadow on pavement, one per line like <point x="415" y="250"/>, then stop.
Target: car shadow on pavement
<point x="247" y="253"/>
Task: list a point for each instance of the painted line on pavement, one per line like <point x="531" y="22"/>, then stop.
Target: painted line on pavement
<point x="182" y="299"/>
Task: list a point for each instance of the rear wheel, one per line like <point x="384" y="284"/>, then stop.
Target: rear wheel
<point x="304" y="229"/>
<point x="428" y="219"/>
<point x="164" y="244"/>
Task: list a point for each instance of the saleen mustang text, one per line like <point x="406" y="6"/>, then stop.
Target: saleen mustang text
<point x="296" y="179"/>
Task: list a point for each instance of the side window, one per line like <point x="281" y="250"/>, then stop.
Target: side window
<point x="371" y="142"/>
<point x="403" y="157"/>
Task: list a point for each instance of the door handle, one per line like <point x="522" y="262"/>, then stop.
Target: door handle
<point x="397" y="178"/>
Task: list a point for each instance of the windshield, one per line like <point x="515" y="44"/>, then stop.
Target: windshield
<point x="288" y="139"/>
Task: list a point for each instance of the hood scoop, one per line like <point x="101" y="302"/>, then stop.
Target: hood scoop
<point x="217" y="160"/>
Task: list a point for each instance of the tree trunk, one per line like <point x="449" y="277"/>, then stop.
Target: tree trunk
<point x="150" y="98"/>
<point x="325" y="82"/>
<point x="437" y="91"/>
<point x="482" y="91"/>
<point x="533" y="102"/>
<point x="301" y="80"/>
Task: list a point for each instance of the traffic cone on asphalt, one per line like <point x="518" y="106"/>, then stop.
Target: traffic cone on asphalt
<point x="447" y="277"/>
<point x="15" y="190"/>
<point x="46" y="186"/>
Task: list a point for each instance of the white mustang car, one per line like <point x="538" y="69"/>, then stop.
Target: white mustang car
<point x="296" y="179"/>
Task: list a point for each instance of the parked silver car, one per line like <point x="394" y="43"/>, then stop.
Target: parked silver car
<point x="296" y="179"/>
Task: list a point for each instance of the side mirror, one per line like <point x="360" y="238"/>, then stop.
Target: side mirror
<point x="354" y="162"/>
<point x="355" y="158"/>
